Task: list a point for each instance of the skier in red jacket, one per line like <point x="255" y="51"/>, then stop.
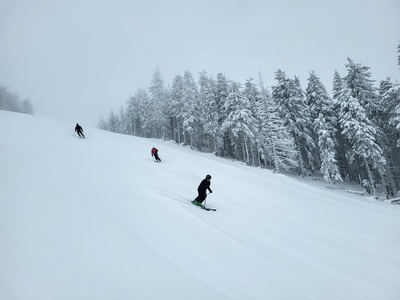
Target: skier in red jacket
<point x="154" y="153"/>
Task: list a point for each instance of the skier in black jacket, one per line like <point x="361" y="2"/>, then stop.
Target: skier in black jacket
<point x="79" y="130"/>
<point x="202" y="190"/>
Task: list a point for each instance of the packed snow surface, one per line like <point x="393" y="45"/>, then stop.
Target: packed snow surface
<point x="97" y="219"/>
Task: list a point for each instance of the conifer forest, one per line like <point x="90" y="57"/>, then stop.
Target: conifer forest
<point x="11" y="102"/>
<point x="352" y="134"/>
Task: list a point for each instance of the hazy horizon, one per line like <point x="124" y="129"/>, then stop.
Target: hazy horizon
<point x="78" y="60"/>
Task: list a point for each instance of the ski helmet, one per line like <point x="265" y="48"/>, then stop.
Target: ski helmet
<point x="208" y="177"/>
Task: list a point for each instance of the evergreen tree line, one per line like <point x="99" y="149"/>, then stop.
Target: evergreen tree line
<point x="11" y="102"/>
<point x="352" y="135"/>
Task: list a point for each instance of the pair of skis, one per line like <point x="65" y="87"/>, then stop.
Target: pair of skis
<point x="208" y="208"/>
<point x="203" y="207"/>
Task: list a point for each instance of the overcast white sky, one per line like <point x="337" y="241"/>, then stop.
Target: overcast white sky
<point x="77" y="60"/>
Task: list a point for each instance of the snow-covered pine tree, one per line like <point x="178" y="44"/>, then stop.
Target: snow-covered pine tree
<point x="123" y="121"/>
<point x="157" y="107"/>
<point x="3" y="99"/>
<point x="324" y="122"/>
<point x="326" y="145"/>
<point x="239" y="124"/>
<point x="275" y="143"/>
<point x="132" y="110"/>
<point x="338" y="91"/>
<point x="175" y="108"/>
<point x="317" y="98"/>
<point x="27" y="107"/>
<point x="9" y="101"/>
<point x="361" y="88"/>
<point x="304" y="124"/>
<point x="360" y="134"/>
<point x="102" y="124"/>
<point x="398" y="55"/>
<point x="252" y="93"/>
<point x="144" y="108"/>
<point x="337" y="87"/>
<point x="190" y="112"/>
<point x="222" y="86"/>
<point x="113" y="122"/>
<point x="292" y="108"/>
<point x="391" y="100"/>
<point x="208" y="111"/>
<point x="390" y="95"/>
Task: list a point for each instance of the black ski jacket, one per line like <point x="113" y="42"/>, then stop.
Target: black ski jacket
<point x="204" y="185"/>
<point x="78" y="128"/>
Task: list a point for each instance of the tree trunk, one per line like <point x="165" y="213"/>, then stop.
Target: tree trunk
<point x="370" y="179"/>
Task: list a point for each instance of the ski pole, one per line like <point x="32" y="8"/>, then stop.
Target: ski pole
<point x="205" y="200"/>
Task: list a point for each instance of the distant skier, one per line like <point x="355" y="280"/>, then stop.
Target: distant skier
<point x="202" y="190"/>
<point x="154" y="153"/>
<point x="79" y="130"/>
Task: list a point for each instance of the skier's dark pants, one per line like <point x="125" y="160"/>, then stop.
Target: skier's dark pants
<point x="80" y="133"/>
<point x="156" y="157"/>
<point x="202" y="196"/>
